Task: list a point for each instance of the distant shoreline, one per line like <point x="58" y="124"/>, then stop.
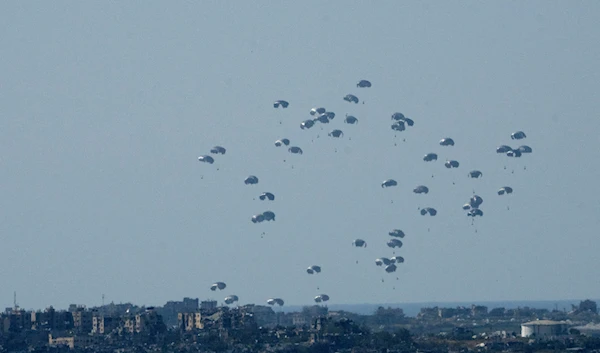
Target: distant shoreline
<point x="412" y="309"/>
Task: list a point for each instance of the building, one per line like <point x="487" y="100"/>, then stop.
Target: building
<point x="146" y="321"/>
<point x="263" y="315"/>
<point x="543" y="328"/>
<point x="428" y="313"/>
<point x="16" y="319"/>
<point x="299" y="319"/>
<point x="171" y="310"/>
<point x="53" y="320"/>
<point x="208" y="305"/>
<point x="72" y="341"/>
<point x="479" y="310"/>
<point x="103" y="324"/>
<point x="190" y="321"/>
<point x="82" y="320"/>
<point x="590" y="329"/>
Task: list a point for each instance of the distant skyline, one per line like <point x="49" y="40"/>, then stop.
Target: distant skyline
<point x="105" y="108"/>
<point x="409" y="308"/>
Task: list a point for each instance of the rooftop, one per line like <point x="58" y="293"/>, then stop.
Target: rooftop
<point x="543" y="323"/>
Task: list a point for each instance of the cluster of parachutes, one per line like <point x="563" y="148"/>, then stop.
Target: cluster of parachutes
<point x="230" y="299"/>
<point x="473" y="206"/>
<point x="320" y="115"/>
<point x="209" y="159"/>
<point x="389" y="264"/>
<point x="401" y="122"/>
<point x="311" y="270"/>
<point x="515" y="152"/>
<point x="265" y="216"/>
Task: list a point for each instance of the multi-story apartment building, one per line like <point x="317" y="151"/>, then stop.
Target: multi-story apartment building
<point x="190" y="321"/>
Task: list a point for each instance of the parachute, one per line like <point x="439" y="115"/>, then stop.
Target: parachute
<point x="269" y="215"/>
<point x="274" y="301"/>
<point x="475" y="174"/>
<point x="218" y="285"/>
<point x="363" y="84"/>
<point x="390" y="268"/>
<point x="394" y="243"/>
<point x="351" y="98"/>
<point x="397" y="259"/>
<point x="475" y="201"/>
<point x="398" y="126"/>
<point x="519" y="135"/>
<point x="451" y="164"/>
<point x="525" y="149"/>
<point x="397" y="233"/>
<point x="428" y="210"/>
<point x="383" y="261"/>
<point x="315" y="111"/>
<point x="475" y="212"/>
<point x="336" y="133"/>
<point x="313" y="269"/>
<point x="323" y="119"/>
<point x="447" y="142"/>
<point x="282" y="142"/>
<point x="295" y="150"/>
<point x="307" y="124"/>
<point x="503" y="149"/>
<point x="231" y="299"/>
<point x="251" y="180"/>
<point x="400" y="118"/>
<point x="267" y="196"/>
<point x="514" y="153"/>
<point x="389" y="182"/>
<point x="350" y="119"/>
<point x="421" y="189"/>
<point x="265" y="216"/>
<point x="430" y="157"/>
<point x="321" y="298"/>
<point x="218" y="150"/>
<point x="359" y="243"/>
<point x="282" y="103"/>
<point x="258" y="218"/>
<point x="206" y="159"/>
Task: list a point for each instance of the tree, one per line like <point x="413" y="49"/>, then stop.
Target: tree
<point x="588" y="305"/>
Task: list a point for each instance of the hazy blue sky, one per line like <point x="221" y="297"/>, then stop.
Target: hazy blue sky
<point x="105" y="107"/>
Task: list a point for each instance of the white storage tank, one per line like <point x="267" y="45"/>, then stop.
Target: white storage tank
<point x="543" y="328"/>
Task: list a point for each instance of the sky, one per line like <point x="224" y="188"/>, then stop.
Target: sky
<point x="106" y="106"/>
